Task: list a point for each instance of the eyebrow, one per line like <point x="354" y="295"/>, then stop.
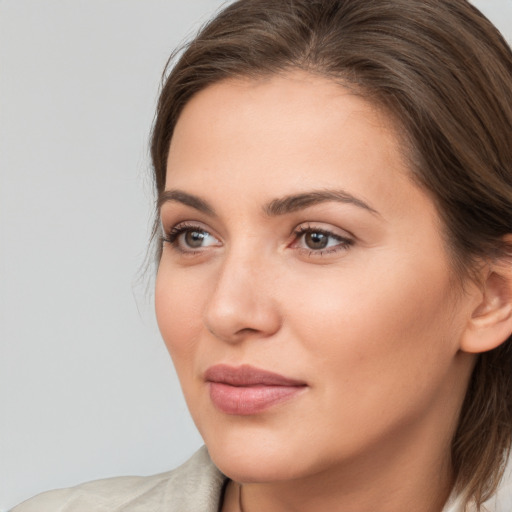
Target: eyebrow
<point x="274" y="208"/>
<point x="297" y="202"/>
<point x="179" y="196"/>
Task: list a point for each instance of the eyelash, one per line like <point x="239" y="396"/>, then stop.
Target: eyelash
<point x="172" y="238"/>
<point x="344" y="242"/>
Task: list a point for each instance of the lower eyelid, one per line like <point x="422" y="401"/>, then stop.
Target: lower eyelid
<point x="328" y="251"/>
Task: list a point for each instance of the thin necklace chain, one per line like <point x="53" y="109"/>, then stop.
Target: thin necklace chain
<point x="241" y="509"/>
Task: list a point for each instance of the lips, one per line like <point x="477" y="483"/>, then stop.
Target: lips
<point x="246" y="390"/>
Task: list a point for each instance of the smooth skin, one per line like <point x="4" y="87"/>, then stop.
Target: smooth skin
<point x="348" y="288"/>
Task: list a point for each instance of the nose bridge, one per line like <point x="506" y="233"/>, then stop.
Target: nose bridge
<point x="242" y="300"/>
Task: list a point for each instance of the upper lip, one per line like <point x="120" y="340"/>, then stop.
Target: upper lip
<point x="246" y="375"/>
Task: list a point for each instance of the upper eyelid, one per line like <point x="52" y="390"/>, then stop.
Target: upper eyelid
<point x="324" y="228"/>
<point x="191" y="226"/>
<point x="313" y="229"/>
<point x="186" y="224"/>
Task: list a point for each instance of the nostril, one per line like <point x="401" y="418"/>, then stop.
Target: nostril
<point x="247" y="330"/>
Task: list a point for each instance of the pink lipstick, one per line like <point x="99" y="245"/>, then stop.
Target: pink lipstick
<point x="246" y="390"/>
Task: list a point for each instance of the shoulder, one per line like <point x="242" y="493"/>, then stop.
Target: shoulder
<point x="501" y="501"/>
<point x="194" y="486"/>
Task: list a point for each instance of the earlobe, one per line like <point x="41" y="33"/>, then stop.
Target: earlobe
<point x="490" y="323"/>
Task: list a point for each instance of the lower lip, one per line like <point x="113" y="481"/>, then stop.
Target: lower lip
<point x="247" y="400"/>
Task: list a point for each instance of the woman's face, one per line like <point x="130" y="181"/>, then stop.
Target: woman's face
<point x="304" y="292"/>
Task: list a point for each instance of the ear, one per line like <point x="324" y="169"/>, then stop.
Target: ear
<point x="490" y="323"/>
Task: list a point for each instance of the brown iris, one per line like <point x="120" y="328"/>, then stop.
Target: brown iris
<point x="316" y="240"/>
<point x="194" y="239"/>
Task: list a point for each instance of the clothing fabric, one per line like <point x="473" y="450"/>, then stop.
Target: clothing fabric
<point x="196" y="486"/>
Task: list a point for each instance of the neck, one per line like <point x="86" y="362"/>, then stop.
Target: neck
<point x="398" y="475"/>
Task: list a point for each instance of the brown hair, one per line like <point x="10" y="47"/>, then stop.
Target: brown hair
<point x="445" y="74"/>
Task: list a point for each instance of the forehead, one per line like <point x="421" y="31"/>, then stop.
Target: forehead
<point x="276" y="102"/>
<point x="290" y="132"/>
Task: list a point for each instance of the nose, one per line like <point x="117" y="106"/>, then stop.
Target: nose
<point x="243" y="302"/>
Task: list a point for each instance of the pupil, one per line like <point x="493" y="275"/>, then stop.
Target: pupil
<point x="316" y="240"/>
<point x="194" y="238"/>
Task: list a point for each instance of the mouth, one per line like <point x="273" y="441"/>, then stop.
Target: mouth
<point x="246" y="390"/>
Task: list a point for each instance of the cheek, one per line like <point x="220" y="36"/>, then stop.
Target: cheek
<point x="178" y="311"/>
<point x="371" y="330"/>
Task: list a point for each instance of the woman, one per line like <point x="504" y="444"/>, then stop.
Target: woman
<point x="334" y="286"/>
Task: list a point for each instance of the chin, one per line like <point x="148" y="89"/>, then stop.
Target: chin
<point x="255" y="466"/>
<point x="252" y="455"/>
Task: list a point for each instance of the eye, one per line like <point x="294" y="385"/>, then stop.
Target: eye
<point x="319" y="241"/>
<point x="190" y="238"/>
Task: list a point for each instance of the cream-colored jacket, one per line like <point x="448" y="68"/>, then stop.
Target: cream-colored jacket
<point x="196" y="486"/>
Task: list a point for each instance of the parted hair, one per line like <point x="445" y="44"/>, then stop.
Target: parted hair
<point x="444" y="73"/>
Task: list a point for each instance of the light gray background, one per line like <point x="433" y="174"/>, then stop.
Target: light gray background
<point x="86" y="386"/>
